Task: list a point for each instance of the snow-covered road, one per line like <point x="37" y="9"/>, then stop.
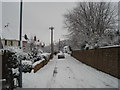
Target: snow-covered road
<point x="68" y="73"/>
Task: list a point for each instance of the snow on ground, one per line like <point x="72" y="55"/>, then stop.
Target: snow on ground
<point x="68" y="73"/>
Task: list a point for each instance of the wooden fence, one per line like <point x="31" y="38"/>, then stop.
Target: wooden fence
<point x="104" y="59"/>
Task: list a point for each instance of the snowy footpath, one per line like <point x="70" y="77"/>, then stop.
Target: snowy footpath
<point x="68" y="73"/>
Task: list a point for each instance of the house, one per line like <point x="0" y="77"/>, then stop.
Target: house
<point x="13" y="42"/>
<point x="9" y="42"/>
<point x="1" y="46"/>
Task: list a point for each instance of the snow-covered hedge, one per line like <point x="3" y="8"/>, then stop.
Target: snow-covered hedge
<point x="26" y="66"/>
<point x="13" y="49"/>
<point x="21" y="55"/>
<point x="29" y="59"/>
<point x="46" y="56"/>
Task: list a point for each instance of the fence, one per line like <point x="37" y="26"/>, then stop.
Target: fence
<point x="104" y="59"/>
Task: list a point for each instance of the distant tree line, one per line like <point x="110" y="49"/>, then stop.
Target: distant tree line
<point x="92" y="23"/>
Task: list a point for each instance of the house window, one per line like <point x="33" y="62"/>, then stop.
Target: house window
<point x="11" y="43"/>
<point x="5" y="42"/>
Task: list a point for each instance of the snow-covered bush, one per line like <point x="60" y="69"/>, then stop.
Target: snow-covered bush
<point x="40" y="51"/>
<point x="13" y="49"/>
<point x="38" y="58"/>
<point x="15" y="71"/>
<point x="11" y="59"/>
<point x="46" y="56"/>
<point x="27" y="58"/>
<point x="26" y="66"/>
<point x="21" y="55"/>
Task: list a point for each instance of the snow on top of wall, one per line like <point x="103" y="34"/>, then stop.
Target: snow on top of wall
<point x="38" y="62"/>
<point x="110" y="46"/>
<point x="101" y="47"/>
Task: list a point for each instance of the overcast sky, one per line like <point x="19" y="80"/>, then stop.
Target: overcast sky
<point x="37" y="18"/>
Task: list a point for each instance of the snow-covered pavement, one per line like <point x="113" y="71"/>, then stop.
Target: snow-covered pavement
<point x="68" y="73"/>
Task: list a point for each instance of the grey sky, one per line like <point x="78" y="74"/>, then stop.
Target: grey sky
<point x="10" y="14"/>
<point x="37" y="17"/>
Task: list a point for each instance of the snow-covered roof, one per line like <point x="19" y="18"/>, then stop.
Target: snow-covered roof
<point x="10" y="39"/>
<point x="23" y="39"/>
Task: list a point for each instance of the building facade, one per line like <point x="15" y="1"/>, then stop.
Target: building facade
<point x="8" y="42"/>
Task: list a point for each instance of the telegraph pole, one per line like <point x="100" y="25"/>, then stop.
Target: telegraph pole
<point x="20" y="45"/>
<point x="52" y="45"/>
<point x="20" y="37"/>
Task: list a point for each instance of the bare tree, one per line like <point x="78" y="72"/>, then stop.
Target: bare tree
<point x="89" y="20"/>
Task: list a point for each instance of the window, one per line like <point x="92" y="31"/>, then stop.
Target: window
<point x="11" y="43"/>
<point x="5" y="42"/>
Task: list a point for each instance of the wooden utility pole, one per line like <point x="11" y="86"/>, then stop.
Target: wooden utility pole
<point x="20" y="45"/>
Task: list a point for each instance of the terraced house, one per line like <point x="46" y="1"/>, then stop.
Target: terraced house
<point x="12" y="42"/>
<point x="1" y="46"/>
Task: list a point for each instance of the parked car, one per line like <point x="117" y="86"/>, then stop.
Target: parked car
<point x="61" y="55"/>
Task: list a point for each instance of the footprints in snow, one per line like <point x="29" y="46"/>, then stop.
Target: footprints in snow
<point x="55" y="72"/>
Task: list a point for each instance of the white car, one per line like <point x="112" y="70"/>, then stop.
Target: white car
<point x="61" y="55"/>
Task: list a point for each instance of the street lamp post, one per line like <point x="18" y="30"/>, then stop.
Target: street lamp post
<point x="52" y="45"/>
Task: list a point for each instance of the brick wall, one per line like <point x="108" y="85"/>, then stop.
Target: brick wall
<point x="104" y="59"/>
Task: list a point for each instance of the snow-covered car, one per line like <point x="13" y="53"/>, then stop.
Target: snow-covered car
<point x="61" y="55"/>
<point x="26" y="66"/>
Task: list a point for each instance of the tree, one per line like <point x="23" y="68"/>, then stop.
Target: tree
<point x="26" y="37"/>
<point x="35" y="38"/>
<point x="89" y="20"/>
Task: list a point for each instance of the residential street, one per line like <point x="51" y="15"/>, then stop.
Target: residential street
<point x="70" y="44"/>
<point x="68" y="73"/>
